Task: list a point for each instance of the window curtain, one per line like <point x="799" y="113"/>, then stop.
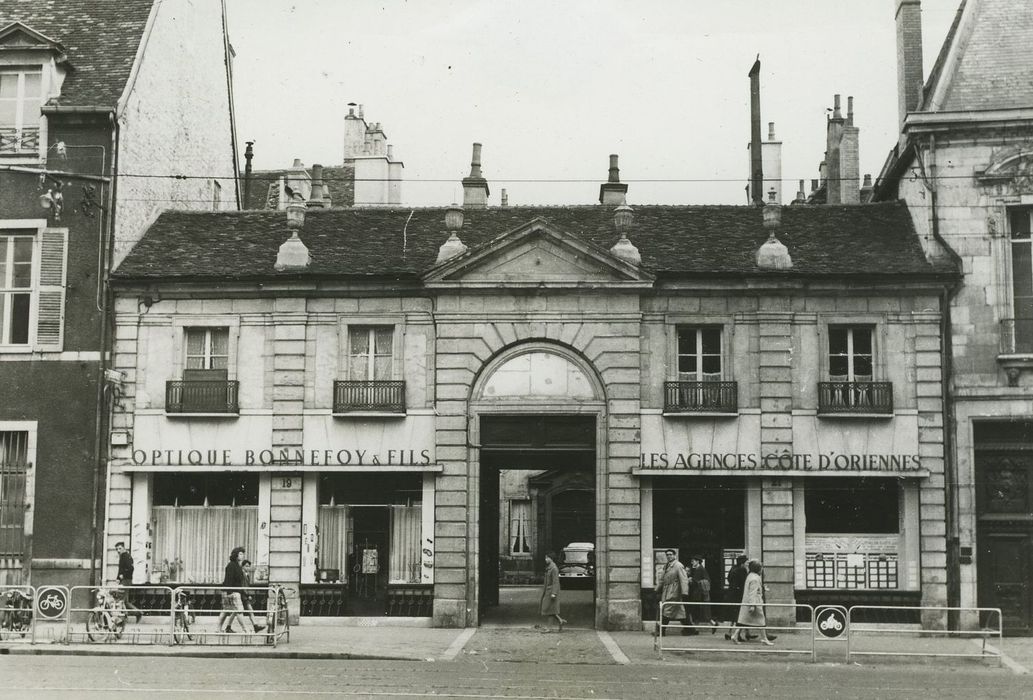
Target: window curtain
<point x="405" y="550"/>
<point x="193" y="543"/>
<point x="519" y="527"/>
<point x="333" y="538"/>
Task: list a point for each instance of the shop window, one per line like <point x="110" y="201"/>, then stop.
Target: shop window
<point x="197" y="519"/>
<point x="369" y="386"/>
<point x="700" y="385"/>
<point x="205" y="387"/>
<point x="852" y="533"/>
<point x="14" y="462"/>
<point x="520" y="536"/>
<point x="1017" y="333"/>
<point x="20" y="100"/>
<point x="32" y="276"/>
<point x="850" y="388"/>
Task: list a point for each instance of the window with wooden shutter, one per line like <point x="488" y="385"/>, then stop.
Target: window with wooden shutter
<point x="50" y="310"/>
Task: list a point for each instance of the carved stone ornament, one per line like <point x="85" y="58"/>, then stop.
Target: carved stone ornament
<point x="1010" y="169"/>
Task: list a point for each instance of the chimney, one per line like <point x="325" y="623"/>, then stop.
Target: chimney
<point x="249" y="153"/>
<point x="909" y="56"/>
<point x="801" y="196"/>
<point x="299" y="180"/>
<point x="320" y="198"/>
<point x="771" y="163"/>
<point x="756" y="159"/>
<point x="867" y="189"/>
<point x="849" y="159"/>
<point x="833" y="135"/>
<point x="505" y="198"/>
<point x="475" y="187"/>
<point x="354" y="133"/>
<point x="613" y="190"/>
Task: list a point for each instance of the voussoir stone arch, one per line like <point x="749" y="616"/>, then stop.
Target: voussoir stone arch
<point x="538" y="369"/>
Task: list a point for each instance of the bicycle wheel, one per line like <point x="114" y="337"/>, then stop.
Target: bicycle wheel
<point x="182" y="633"/>
<point x="97" y="627"/>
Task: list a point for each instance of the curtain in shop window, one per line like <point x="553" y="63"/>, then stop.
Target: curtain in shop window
<point x="406" y="527"/>
<point x="333" y="538"/>
<point x="193" y="543"/>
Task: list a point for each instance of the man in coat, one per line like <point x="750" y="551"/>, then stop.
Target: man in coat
<point x="550" y="603"/>
<point x="673" y="585"/>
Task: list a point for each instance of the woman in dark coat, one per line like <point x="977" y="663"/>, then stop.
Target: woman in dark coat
<point x="699" y="592"/>
<point x="550" y="603"/>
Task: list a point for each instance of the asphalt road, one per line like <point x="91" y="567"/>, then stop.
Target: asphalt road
<point x="165" y="677"/>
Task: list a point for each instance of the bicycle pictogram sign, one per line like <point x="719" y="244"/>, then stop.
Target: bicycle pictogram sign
<point x="51" y="602"/>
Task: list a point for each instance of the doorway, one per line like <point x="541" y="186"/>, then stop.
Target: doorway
<point x="537" y="494"/>
<point x="367" y="562"/>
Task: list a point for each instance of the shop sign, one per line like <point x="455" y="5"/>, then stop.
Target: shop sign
<point x="780" y="462"/>
<point x="267" y="457"/>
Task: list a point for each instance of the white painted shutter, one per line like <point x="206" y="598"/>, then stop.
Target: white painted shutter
<point x="50" y="308"/>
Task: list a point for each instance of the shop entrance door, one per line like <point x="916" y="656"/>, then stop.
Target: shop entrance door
<point x="368" y="561"/>
<point x="537" y="493"/>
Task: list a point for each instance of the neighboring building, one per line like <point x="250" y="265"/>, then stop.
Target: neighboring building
<point x="368" y="176"/>
<point x="964" y="165"/>
<point x="94" y="99"/>
<point x="347" y="393"/>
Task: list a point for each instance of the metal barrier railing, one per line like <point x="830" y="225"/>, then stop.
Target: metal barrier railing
<point x="803" y="644"/>
<point x="16" y="613"/>
<point x="924" y="640"/>
<point x="212" y="614"/>
<point x="104" y="614"/>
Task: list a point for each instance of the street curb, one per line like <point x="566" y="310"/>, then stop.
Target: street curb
<point x="205" y="654"/>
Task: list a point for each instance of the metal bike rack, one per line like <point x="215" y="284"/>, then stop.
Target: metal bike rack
<point x="157" y="608"/>
<point x="724" y="647"/>
<point x="984" y="616"/>
<point x="17" y="623"/>
<point x="277" y="627"/>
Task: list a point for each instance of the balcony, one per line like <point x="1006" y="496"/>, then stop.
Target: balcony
<point x="197" y="396"/>
<point x="369" y="396"/>
<point x="19" y="142"/>
<point x="855" y="398"/>
<point x="701" y="397"/>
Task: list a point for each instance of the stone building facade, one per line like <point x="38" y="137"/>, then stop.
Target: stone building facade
<point x="93" y="96"/>
<point x="963" y="166"/>
<point x="343" y="401"/>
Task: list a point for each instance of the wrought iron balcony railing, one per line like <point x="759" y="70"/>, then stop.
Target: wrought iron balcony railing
<point x="701" y="397"/>
<point x="379" y="396"/>
<point x="207" y="396"/>
<point x="1017" y="336"/>
<point x="855" y="397"/>
<point x="17" y="142"/>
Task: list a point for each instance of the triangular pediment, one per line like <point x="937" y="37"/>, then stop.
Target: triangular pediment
<point x="19" y="37"/>
<point x="537" y="254"/>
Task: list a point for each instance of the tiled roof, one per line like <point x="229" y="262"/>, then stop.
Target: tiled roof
<point x="399" y="243"/>
<point x="101" y="38"/>
<point x="263" y="187"/>
<point x="340" y="182"/>
<point x="993" y="69"/>
<point x="265" y="191"/>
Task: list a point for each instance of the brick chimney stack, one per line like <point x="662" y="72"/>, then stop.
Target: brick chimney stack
<point x="834" y="136"/>
<point x="613" y="190"/>
<point x="475" y="187"/>
<point x="909" y="56"/>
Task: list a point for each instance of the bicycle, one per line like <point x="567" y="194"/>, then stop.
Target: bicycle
<point x="184" y="617"/>
<point x="16" y="617"/>
<point x="107" y="621"/>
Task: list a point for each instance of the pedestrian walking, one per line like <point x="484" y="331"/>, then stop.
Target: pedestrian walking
<point x="126" y="569"/>
<point x="233" y="581"/>
<point x="751" y="614"/>
<point x="550" y="603"/>
<point x="699" y="592"/>
<point x="736" y="584"/>
<point x="673" y="585"/>
<point x="249" y="610"/>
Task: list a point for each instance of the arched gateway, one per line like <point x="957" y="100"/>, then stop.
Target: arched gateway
<point x="537" y="472"/>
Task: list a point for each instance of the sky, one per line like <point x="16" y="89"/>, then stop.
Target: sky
<point x="552" y="88"/>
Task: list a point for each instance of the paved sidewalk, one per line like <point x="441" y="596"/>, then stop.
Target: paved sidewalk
<point x="578" y="645"/>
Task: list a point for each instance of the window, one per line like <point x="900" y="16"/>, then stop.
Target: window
<point x="1022" y="280"/>
<point x="699" y="354"/>
<point x="15" y="287"/>
<point x="852" y="505"/>
<point x="32" y="292"/>
<point x="850" y="354"/>
<point x="205" y="387"/>
<point x="370" y="352"/>
<point x="207" y="349"/>
<point x="14" y="460"/>
<point x="520" y="537"/>
<point x="20" y="99"/>
<point x="700" y="388"/>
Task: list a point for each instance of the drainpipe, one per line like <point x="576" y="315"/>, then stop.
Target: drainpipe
<point x="107" y="247"/>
